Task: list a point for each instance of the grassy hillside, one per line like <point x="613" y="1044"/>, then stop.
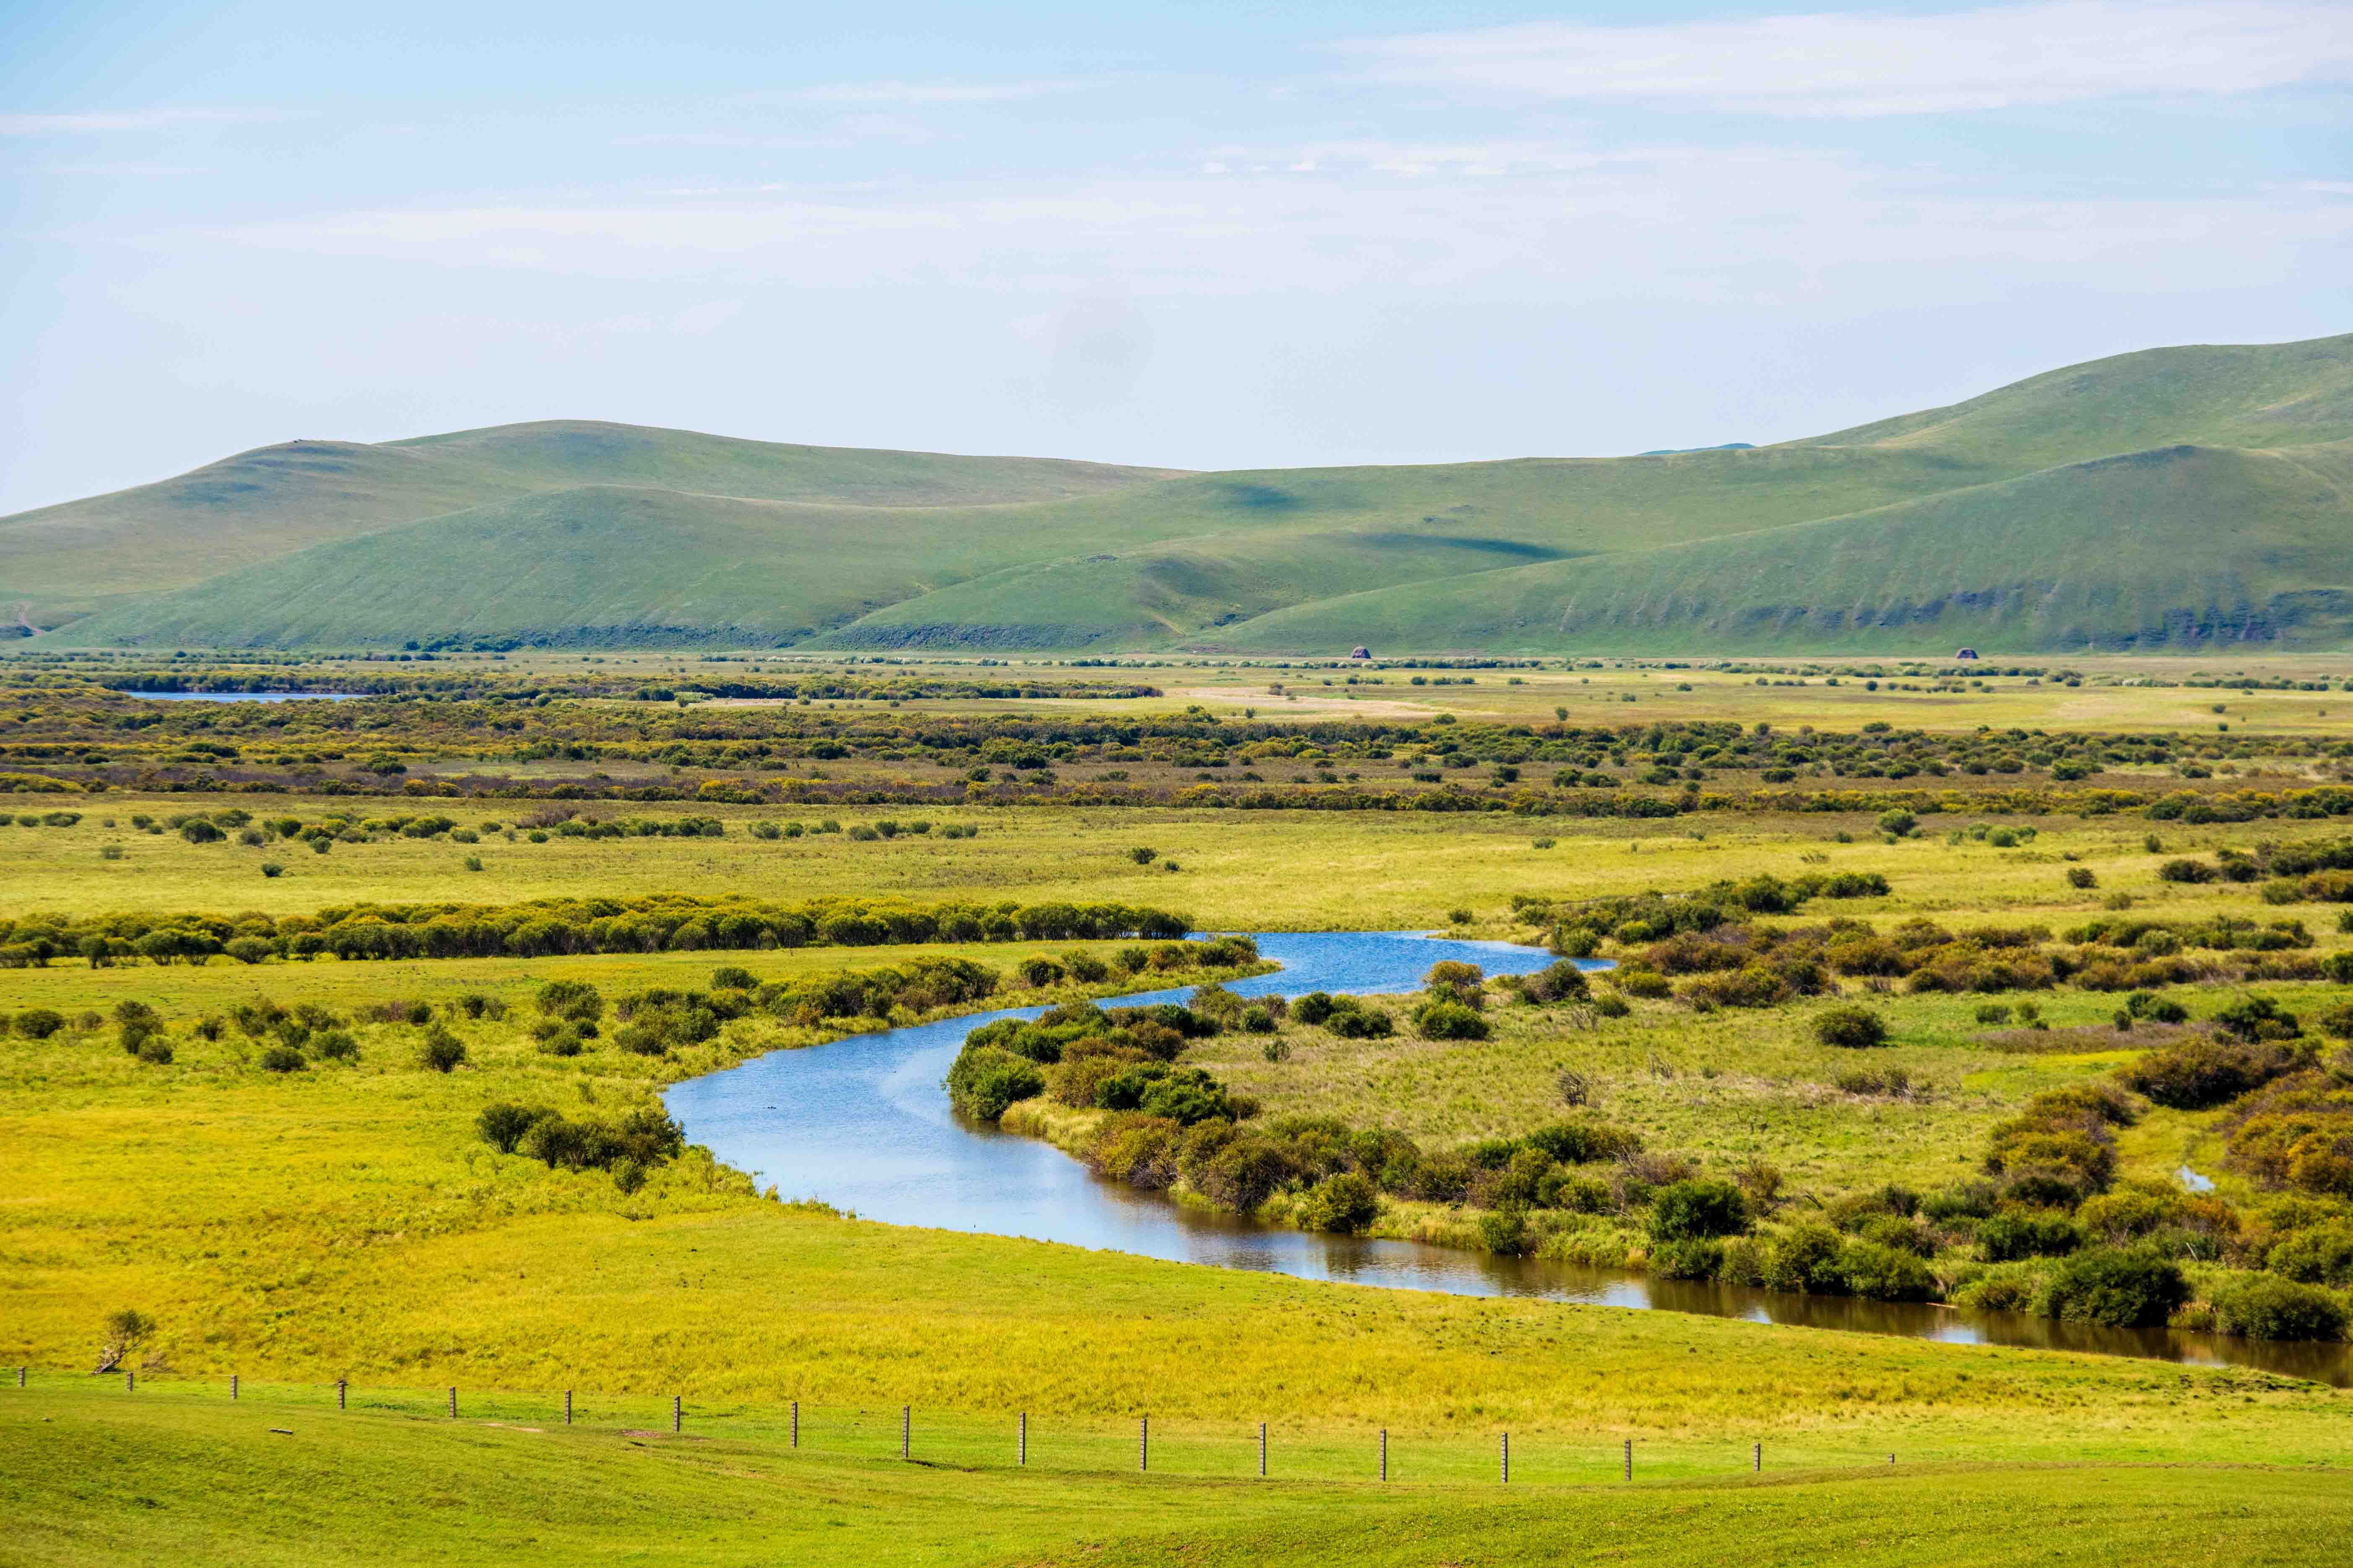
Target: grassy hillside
<point x="268" y="503"/>
<point x="2175" y="548"/>
<point x="1941" y="526"/>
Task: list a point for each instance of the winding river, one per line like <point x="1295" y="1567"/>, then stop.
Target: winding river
<point x="864" y="1123"/>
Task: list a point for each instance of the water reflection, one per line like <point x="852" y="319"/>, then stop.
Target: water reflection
<point x="864" y="1123"/>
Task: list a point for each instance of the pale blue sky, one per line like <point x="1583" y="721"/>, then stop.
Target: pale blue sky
<point x="1205" y="234"/>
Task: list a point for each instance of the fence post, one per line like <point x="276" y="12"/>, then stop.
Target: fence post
<point x="1022" y="1442"/>
<point x="676" y="1414"/>
<point x="906" y="1427"/>
<point x="1385" y="1453"/>
<point x="796" y="1422"/>
<point x="453" y="1404"/>
<point x="343" y="1393"/>
<point x="1144" y="1442"/>
<point x="1262" y="1450"/>
<point x="232" y="1386"/>
<point x="1756" y="1462"/>
<point x="20" y="1377"/>
<point x="1891" y="1459"/>
<point x="1630" y="1459"/>
<point x="567" y="1407"/>
<point x="131" y="1385"/>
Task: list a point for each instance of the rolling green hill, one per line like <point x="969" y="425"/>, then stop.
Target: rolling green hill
<point x="2167" y="499"/>
<point x="268" y="504"/>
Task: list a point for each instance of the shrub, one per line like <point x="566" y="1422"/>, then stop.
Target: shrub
<point x="2080" y="877"/>
<point x="2265" y="1307"/>
<point x="984" y="1083"/>
<point x="1503" y="1232"/>
<point x="503" y="1125"/>
<point x="2185" y="871"/>
<point x="574" y="1000"/>
<point x="1684" y="1210"/>
<point x="1885" y="1273"/>
<point x="1039" y="970"/>
<point x="441" y="1050"/>
<point x="2026" y="1233"/>
<point x="1689" y="1258"/>
<point x="1437" y="1020"/>
<point x="335" y="1046"/>
<point x="268" y="868"/>
<point x="2321" y="1256"/>
<point x="1559" y="982"/>
<point x="282" y="1058"/>
<point x="37" y="1023"/>
<point x="1806" y="1259"/>
<point x="1346" y="1203"/>
<point x="2197" y="1074"/>
<point x="1612" y="1007"/>
<point x="2119" y="1289"/>
<point x="731" y="977"/>
<point x="2257" y="1018"/>
<point x="196" y="830"/>
<point x="1851" y="1028"/>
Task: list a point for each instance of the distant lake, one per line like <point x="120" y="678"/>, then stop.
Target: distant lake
<point x="246" y="696"/>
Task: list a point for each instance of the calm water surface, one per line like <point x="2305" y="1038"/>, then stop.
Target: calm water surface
<point x="248" y="695"/>
<point x="864" y="1123"/>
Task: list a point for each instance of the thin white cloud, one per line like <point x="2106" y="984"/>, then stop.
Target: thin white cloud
<point x="138" y="119"/>
<point x="2059" y="51"/>
<point x="1760" y="226"/>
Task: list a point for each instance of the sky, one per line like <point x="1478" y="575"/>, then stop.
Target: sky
<point x="1216" y="233"/>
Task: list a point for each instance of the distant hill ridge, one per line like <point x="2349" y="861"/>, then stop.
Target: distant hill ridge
<point x="2172" y="498"/>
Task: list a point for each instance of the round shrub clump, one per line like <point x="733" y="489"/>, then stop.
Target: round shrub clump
<point x="1851" y="1028"/>
<point x="1449" y="1021"/>
<point x="2119" y="1289"/>
<point x="2266" y="1307"/>
<point x="1686" y="1210"/>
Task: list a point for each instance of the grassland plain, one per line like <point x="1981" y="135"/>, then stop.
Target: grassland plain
<point x="347" y="1220"/>
<point x="668" y="537"/>
<point x="1238" y="870"/>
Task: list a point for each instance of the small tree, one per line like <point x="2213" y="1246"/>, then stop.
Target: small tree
<point x="126" y="1330"/>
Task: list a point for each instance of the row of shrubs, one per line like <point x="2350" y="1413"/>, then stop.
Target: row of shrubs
<point x="1578" y="931"/>
<point x="647" y="923"/>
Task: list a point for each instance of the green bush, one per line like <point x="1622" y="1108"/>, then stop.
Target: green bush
<point x="1689" y="1258"/>
<point x="2266" y="1307"/>
<point x="282" y="1058"/>
<point x="2198" y="1074"/>
<point x="1885" y="1273"/>
<point x="1684" y="1210"/>
<point x="1346" y="1204"/>
<point x="37" y="1023"/>
<point x="335" y="1046"/>
<point x="1438" y="1020"/>
<point x="1851" y="1028"/>
<point x="2118" y="1289"/>
<point x="984" y="1083"/>
<point x="503" y="1125"/>
<point x="2321" y="1256"/>
<point x="1503" y="1232"/>
<point x="441" y="1050"/>
<point x="2014" y="1233"/>
<point x="1806" y="1259"/>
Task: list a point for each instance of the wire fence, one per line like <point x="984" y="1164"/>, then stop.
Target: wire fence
<point x="1019" y="1440"/>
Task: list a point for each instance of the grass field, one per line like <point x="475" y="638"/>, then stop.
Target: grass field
<point x="347" y="1220"/>
<point x="95" y="1477"/>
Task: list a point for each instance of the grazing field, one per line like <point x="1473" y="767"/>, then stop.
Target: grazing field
<point x="94" y="1477"/>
